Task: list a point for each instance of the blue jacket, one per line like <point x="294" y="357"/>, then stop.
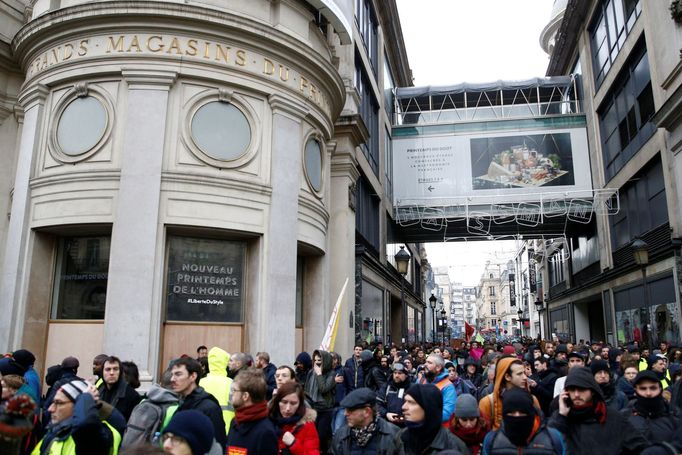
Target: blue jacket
<point x="447" y="389"/>
<point x="89" y="433"/>
<point x="340" y="388"/>
<point x="34" y="383"/>
<point x="353" y="376"/>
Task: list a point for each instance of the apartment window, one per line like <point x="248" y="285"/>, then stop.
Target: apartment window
<point x="491" y="291"/>
<point x="369" y="111"/>
<point x="367" y="212"/>
<point x="625" y="116"/>
<point x="493" y="308"/>
<point x="491" y="276"/>
<point x="81" y="276"/>
<point x="646" y="189"/>
<point x="613" y="22"/>
<point x="367" y="25"/>
<point x="388" y="88"/>
<point x="388" y="165"/>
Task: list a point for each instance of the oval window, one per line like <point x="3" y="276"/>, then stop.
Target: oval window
<point x="313" y="164"/>
<point x="221" y="131"/>
<point x="81" y="125"/>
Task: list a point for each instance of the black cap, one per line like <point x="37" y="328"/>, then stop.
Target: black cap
<point x="561" y="348"/>
<point x="632" y="349"/>
<point x="575" y="354"/>
<point x="359" y="398"/>
<point x="599" y="365"/>
<point x="646" y="375"/>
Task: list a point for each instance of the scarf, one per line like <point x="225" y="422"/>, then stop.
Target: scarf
<point x="362" y="435"/>
<point x="590" y="410"/>
<point x="651" y="407"/>
<point x="519" y="429"/>
<point x="470" y="436"/>
<point x="284" y="421"/>
<point x="258" y="411"/>
<point x="418" y="436"/>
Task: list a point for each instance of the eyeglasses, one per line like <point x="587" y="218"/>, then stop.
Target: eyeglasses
<point x="174" y="440"/>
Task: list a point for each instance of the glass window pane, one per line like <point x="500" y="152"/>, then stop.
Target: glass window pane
<point x="313" y="164"/>
<point x="372" y="313"/>
<point x="221" y="131"/>
<point x="205" y="280"/>
<point x="82" y="272"/>
<point x="81" y="125"/>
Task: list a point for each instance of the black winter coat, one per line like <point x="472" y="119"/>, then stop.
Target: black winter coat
<point x="544" y="391"/>
<point x="259" y="436"/>
<point x="656" y="427"/>
<point x="390" y="398"/>
<point x="205" y="403"/>
<point x="342" y="444"/>
<point x="121" y="396"/>
<point x="444" y="440"/>
<point x="616" y="436"/>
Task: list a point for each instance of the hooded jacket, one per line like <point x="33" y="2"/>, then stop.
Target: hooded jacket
<point x="321" y="389"/>
<point x="583" y="433"/>
<point x="218" y="384"/>
<point x="428" y="436"/>
<point x="491" y="405"/>
<point x="304" y="359"/>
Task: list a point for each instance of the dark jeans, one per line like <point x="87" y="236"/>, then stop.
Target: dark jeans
<point x="324" y="428"/>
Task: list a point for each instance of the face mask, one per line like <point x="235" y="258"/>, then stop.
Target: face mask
<point x="518" y="429"/>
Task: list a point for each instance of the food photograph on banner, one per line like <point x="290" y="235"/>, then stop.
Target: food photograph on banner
<point x="530" y="161"/>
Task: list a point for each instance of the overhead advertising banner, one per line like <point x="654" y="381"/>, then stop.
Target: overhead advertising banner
<point x="532" y="275"/>
<point x="512" y="289"/>
<point x="487" y="168"/>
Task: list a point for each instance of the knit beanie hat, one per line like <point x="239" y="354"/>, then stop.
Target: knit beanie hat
<point x="516" y="399"/>
<point x="73" y="389"/>
<point x="8" y="365"/>
<point x="599" y="365"/>
<point x="509" y="349"/>
<point x="428" y="397"/>
<point x="466" y="407"/>
<point x="194" y="427"/>
<point x="24" y="357"/>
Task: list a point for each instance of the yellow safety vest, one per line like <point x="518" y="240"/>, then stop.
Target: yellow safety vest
<point x="68" y="445"/>
<point x="219" y="387"/>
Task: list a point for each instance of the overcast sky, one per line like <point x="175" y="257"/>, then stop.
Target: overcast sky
<point x="452" y="41"/>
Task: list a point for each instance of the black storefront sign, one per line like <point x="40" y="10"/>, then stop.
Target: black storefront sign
<point x="205" y="280"/>
<point x="512" y="289"/>
<point x="532" y="277"/>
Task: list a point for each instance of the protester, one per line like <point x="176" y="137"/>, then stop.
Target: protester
<point x="188" y="433"/>
<point x="434" y="373"/>
<point x="586" y="422"/>
<point x="218" y="383"/>
<point x="251" y="431"/>
<point x="423" y="433"/>
<point x="466" y="423"/>
<point x="391" y="397"/>
<point x="115" y="390"/>
<point x="364" y="433"/>
<point x="294" y="420"/>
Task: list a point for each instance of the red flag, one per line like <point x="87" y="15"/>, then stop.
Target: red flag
<point x="468" y="331"/>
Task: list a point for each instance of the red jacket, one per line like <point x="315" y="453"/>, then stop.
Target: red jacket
<point x="307" y="441"/>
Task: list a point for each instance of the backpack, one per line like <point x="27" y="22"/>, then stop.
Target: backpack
<point x="147" y="421"/>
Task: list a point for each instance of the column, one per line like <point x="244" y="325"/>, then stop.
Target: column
<point x="271" y="318"/>
<point x="344" y="175"/>
<point x="132" y="319"/>
<point x="14" y="273"/>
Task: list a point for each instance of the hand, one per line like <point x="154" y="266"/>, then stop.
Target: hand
<point x="317" y="369"/>
<point x="288" y="438"/>
<point x="531" y="383"/>
<point x="339" y="379"/>
<point x="564" y="406"/>
<point x="92" y="390"/>
<point x="393" y="417"/>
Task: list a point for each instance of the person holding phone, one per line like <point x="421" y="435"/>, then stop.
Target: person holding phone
<point x="392" y="395"/>
<point x="588" y="424"/>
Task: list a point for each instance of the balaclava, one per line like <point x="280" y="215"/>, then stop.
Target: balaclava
<point x="518" y="429"/>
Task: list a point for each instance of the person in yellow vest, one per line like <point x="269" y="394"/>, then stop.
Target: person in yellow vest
<point x="434" y="373"/>
<point x="75" y="423"/>
<point x="658" y="363"/>
<point x="218" y="384"/>
<point x="98" y="369"/>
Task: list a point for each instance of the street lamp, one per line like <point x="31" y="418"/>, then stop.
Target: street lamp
<point x="520" y="314"/>
<point x="640" y="252"/>
<point x="443" y="323"/>
<point x="402" y="260"/>
<point x="432" y="303"/>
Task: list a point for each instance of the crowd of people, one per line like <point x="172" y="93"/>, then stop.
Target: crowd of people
<point x="532" y="397"/>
